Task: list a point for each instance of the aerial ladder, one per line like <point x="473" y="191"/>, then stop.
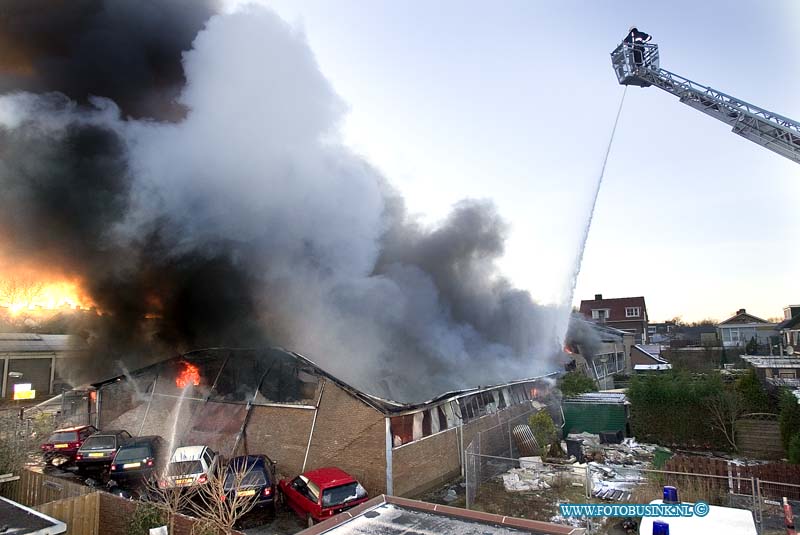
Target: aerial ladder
<point x="638" y="64"/>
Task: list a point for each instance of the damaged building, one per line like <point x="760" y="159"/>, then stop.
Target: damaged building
<point x="37" y="362"/>
<point x="281" y="404"/>
<point x="598" y="351"/>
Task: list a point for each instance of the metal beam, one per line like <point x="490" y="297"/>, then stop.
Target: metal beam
<point x="768" y="129"/>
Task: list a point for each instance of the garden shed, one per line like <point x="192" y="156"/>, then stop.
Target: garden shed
<point x="596" y="412"/>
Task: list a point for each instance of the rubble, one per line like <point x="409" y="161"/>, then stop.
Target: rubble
<point x="522" y="479"/>
<point x="628" y="452"/>
<point x="612" y="468"/>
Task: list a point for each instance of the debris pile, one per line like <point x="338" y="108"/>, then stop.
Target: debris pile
<point x="612" y="468"/>
<point x="533" y="474"/>
<point x="628" y="452"/>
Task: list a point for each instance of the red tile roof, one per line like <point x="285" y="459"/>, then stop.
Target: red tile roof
<point x="616" y="306"/>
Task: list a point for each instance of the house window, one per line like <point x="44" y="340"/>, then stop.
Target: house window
<point x="651" y="329"/>
<point x="632" y="312"/>
<point x="601" y="314"/>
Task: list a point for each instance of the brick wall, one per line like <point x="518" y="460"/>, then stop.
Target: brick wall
<point x="426" y="463"/>
<point x="281" y="433"/>
<point x="352" y="436"/>
<point x="423" y="464"/>
<point x="116" y="513"/>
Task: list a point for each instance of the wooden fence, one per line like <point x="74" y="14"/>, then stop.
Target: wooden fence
<point x="81" y="514"/>
<point x="759" y="436"/>
<point x="34" y="489"/>
<point x="781" y="479"/>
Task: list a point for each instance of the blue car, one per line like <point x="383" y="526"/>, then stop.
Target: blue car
<point x="251" y="476"/>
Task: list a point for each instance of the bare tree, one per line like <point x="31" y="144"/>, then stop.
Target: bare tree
<point x="169" y="499"/>
<point x="21" y="290"/>
<point x="227" y="497"/>
<point x="726" y="406"/>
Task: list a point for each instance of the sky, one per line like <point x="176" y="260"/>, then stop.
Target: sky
<point x="514" y="101"/>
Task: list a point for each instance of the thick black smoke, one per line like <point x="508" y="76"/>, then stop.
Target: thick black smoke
<point x="126" y="50"/>
<point x="247" y="221"/>
<point x="67" y="190"/>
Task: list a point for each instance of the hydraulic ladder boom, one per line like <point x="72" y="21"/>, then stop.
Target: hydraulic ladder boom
<point x="638" y="64"/>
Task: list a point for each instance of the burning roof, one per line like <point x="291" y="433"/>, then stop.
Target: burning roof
<point x="252" y="376"/>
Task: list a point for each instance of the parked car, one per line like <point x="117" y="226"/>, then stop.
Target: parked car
<point x="64" y="443"/>
<point x="252" y="475"/>
<point x="320" y="494"/>
<point x="189" y="466"/>
<point x="97" y="451"/>
<point x="140" y="459"/>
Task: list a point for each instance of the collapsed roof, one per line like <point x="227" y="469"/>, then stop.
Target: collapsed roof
<point x="259" y="377"/>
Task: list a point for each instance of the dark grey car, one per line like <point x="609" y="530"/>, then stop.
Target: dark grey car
<point x="97" y="451"/>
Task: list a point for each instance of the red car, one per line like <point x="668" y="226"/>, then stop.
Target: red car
<point x="322" y="493"/>
<point x="64" y="443"/>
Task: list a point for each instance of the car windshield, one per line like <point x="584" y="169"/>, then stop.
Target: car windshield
<point x="342" y="494"/>
<point x="103" y="442"/>
<point x="64" y="436"/>
<point x="136" y="453"/>
<point x="254" y="478"/>
<point x="182" y="468"/>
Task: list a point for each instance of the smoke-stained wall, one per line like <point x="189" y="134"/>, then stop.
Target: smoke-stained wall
<point x="189" y="169"/>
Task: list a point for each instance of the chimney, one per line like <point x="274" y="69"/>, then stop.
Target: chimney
<point x="598" y="297"/>
<point x="740" y="311"/>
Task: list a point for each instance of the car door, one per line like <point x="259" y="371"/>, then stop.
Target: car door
<point x="298" y="497"/>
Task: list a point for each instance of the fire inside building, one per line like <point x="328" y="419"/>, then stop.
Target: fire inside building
<point x="281" y="404"/>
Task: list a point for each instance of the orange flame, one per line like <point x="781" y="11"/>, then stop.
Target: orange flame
<point x="189" y="376"/>
<point x="568" y="350"/>
<point x="35" y="292"/>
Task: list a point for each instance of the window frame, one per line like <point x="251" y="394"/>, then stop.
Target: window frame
<point x="637" y="312"/>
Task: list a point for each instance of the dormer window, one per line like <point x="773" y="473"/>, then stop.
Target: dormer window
<point x="601" y="314"/>
<point x="632" y="312"/>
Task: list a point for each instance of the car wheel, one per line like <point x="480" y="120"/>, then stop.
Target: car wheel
<point x="310" y="520"/>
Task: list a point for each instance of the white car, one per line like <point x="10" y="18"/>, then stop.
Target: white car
<point x="190" y="466"/>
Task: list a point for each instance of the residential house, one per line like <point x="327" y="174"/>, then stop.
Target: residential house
<point x="789" y="330"/>
<point x="628" y="314"/>
<point x="741" y="328"/>
<point x="660" y="333"/>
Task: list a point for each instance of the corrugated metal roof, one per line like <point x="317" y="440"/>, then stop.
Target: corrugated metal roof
<point x="597" y="397"/>
<point x="38" y="343"/>
<point x="772" y="362"/>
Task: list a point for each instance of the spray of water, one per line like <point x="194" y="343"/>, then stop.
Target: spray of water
<point x="176" y="417"/>
<point x="579" y="258"/>
<point x="131" y="381"/>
